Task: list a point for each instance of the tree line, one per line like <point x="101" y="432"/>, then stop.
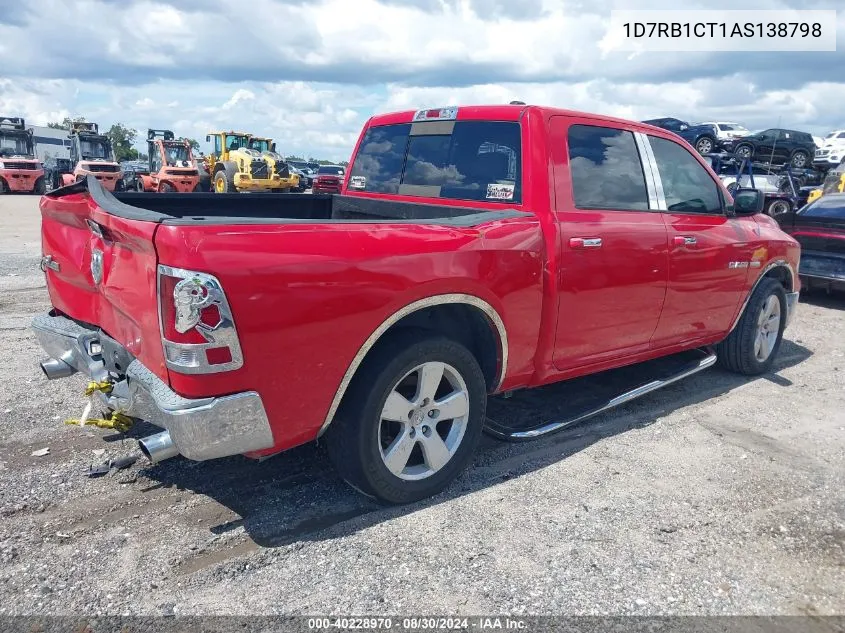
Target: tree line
<point x="122" y="138"/>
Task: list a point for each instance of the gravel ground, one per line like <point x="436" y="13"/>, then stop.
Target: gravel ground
<point x="718" y="495"/>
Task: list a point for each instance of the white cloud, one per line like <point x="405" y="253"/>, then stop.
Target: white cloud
<point x="310" y="73"/>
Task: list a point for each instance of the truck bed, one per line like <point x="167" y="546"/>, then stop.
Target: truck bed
<point x="273" y="208"/>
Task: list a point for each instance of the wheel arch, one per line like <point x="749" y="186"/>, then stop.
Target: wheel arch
<point x="468" y="318"/>
<point x="780" y="270"/>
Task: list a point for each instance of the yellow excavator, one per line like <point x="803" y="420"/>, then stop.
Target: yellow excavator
<point x="233" y="166"/>
<point x="268" y="150"/>
<point x="834" y="182"/>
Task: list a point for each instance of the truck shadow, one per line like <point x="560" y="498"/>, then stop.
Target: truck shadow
<point x="817" y="297"/>
<point x="297" y="495"/>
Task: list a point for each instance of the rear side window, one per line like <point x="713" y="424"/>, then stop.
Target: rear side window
<point x="467" y="160"/>
<point x="687" y="186"/>
<point x="606" y="169"/>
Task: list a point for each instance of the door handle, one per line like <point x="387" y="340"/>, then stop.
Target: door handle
<point x="584" y="242"/>
<point x="684" y="240"/>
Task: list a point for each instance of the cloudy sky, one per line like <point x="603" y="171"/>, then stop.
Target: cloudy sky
<point x="310" y="72"/>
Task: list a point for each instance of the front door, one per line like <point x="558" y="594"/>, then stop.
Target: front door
<point x="613" y="260"/>
<point x="710" y="253"/>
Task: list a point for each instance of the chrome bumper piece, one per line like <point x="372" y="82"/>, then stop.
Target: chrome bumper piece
<point x="202" y="428"/>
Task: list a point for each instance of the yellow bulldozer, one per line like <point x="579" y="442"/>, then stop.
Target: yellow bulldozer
<point x="268" y="150"/>
<point x="233" y="166"/>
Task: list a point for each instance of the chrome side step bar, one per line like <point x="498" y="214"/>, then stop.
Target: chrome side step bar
<point x="500" y="431"/>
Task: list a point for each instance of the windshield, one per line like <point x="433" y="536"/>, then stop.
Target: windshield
<point x="331" y="169"/>
<point x="15" y="145"/>
<point x="259" y="145"/>
<point x="95" y="148"/>
<point x="176" y="155"/>
<point x="236" y="141"/>
<point x="825" y="207"/>
<point x="731" y="127"/>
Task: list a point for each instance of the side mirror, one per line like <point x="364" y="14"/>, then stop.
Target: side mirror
<point x="748" y="201"/>
<point x="208" y="139"/>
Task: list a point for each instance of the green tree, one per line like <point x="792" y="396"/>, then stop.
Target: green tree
<point x="195" y="144"/>
<point x="64" y="124"/>
<point x="122" y="138"/>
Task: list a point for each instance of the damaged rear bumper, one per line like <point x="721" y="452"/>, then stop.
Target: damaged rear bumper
<point x="201" y="428"/>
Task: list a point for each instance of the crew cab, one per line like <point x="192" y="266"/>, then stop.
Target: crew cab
<point x="472" y="251"/>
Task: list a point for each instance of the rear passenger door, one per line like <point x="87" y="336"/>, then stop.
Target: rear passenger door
<point x="612" y="274"/>
<point x="710" y="253"/>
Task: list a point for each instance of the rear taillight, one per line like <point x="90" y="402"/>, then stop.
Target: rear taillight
<point x="197" y="329"/>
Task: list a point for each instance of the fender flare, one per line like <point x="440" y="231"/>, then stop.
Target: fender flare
<point x="766" y="269"/>
<point x="420" y="304"/>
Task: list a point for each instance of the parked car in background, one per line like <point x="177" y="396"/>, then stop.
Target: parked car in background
<point x="329" y="179"/>
<point x="775" y="145"/>
<point x="132" y="172"/>
<point x="831" y="151"/>
<point x="727" y="131"/>
<point x="53" y="170"/>
<point x="703" y="137"/>
<point x="472" y="250"/>
<point x="820" y="229"/>
<point x="305" y="177"/>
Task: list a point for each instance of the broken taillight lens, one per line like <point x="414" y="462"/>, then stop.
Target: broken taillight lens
<point x="198" y="332"/>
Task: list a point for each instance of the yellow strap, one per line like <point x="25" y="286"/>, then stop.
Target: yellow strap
<point x="104" y="386"/>
<point x="117" y="421"/>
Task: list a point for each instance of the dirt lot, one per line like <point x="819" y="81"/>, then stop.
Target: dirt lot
<point x="717" y="495"/>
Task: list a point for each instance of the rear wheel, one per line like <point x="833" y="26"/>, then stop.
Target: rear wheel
<point x="165" y="187"/>
<point x="139" y="185"/>
<point x="799" y="159"/>
<point x="754" y="343"/>
<point x="779" y="207"/>
<point x="40" y="187"/>
<point x="3" y="187"/>
<point x="412" y="419"/>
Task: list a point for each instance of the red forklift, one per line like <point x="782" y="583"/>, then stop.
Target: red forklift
<point x="172" y="166"/>
<point x="19" y="169"/>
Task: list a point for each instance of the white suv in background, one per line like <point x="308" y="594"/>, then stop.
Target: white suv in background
<point x="728" y="131"/>
<point x="831" y="151"/>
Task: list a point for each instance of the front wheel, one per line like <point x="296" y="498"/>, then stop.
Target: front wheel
<point x="411" y="421"/>
<point x="744" y="151"/>
<point x="40" y="186"/>
<point x="704" y="145"/>
<point x="754" y="343"/>
<point x="799" y="160"/>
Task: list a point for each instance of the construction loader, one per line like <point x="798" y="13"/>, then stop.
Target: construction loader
<point x="234" y="166"/>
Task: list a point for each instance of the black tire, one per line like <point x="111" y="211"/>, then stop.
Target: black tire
<point x="799" y="159"/>
<point x="705" y="145"/>
<point x="40" y="186"/>
<point x="779" y="207"/>
<point x="736" y="352"/>
<point x="139" y="185"/>
<point x="224" y="180"/>
<point x="744" y="150"/>
<point x="119" y="186"/>
<point x="165" y="187"/>
<point x="3" y="187"/>
<point x="197" y="188"/>
<point x="353" y="439"/>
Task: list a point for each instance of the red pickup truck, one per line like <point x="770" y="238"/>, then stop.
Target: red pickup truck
<point x="471" y="251"/>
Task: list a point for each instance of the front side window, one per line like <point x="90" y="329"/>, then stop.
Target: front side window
<point x="606" y="169"/>
<point x="476" y="160"/>
<point x="687" y="186"/>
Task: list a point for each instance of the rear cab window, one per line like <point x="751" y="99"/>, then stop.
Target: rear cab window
<point x="456" y="160"/>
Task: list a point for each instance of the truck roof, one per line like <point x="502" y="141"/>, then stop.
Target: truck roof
<point x="503" y="112"/>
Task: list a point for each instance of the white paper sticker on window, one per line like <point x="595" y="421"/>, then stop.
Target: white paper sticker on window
<point x="358" y="182"/>
<point x="496" y="191"/>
